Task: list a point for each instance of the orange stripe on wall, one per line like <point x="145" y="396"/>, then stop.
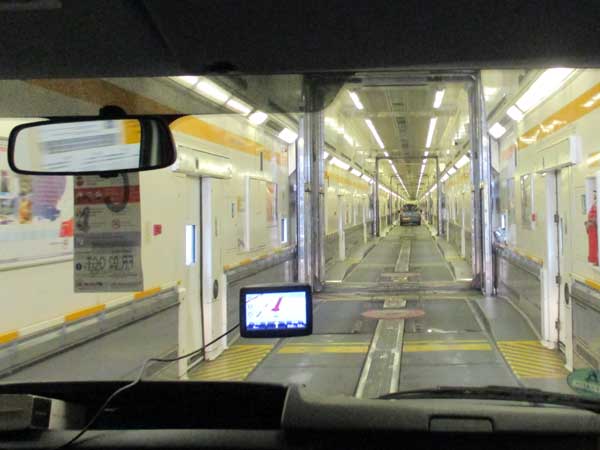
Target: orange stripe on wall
<point x="147" y="293"/>
<point x="362" y="185"/>
<point x="593" y="284"/>
<point x="203" y="130"/>
<point x="84" y="313"/>
<point x="5" y="338"/>
<point x="568" y="114"/>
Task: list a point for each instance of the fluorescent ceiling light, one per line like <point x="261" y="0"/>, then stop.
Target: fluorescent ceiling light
<point x="288" y="135"/>
<point x="238" y="106"/>
<point x="451" y="171"/>
<point x="546" y="84"/>
<point x="497" y="130"/>
<point x="593" y="159"/>
<point x="374" y="132"/>
<point x="341" y="164"/>
<point x="188" y="80"/>
<point x="447" y="151"/>
<point x="514" y="113"/>
<point x="425" y="161"/>
<point x="348" y="139"/>
<point x="592" y="101"/>
<point x="325" y="155"/>
<point x="355" y="173"/>
<point x="444" y="178"/>
<point x="464" y="159"/>
<point x="210" y="89"/>
<point x="356" y="100"/>
<point x="426" y="153"/>
<point x="257" y="117"/>
<point x="366" y="178"/>
<point x="386" y="154"/>
<point x="430" y="132"/>
<point x="439" y="96"/>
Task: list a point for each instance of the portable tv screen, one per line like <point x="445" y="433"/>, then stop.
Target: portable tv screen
<point x="276" y="311"/>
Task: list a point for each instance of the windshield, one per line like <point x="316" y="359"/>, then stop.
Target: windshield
<point x="288" y="178"/>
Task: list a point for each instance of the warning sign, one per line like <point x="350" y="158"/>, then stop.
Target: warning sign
<point x="107" y="235"/>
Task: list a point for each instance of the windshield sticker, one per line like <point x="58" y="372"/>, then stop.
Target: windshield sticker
<point x="107" y="251"/>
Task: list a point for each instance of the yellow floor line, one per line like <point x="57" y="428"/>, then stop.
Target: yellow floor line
<point x="298" y="349"/>
<point x="444" y="341"/>
<point x="529" y="359"/>
<point x="321" y="344"/>
<point x="234" y="364"/>
<point x="410" y="348"/>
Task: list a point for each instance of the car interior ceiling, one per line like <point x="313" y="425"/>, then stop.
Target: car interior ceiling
<point x="159" y="38"/>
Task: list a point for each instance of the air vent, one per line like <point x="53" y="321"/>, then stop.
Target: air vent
<point x="399" y="106"/>
<point x="401" y="122"/>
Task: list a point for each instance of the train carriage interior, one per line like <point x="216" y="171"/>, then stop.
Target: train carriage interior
<point x="440" y="221"/>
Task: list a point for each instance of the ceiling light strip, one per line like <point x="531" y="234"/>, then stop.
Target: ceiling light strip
<point x="431" y="131"/>
<point x="374" y="133"/>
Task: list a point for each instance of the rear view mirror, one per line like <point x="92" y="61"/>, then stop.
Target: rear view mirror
<point x="90" y="146"/>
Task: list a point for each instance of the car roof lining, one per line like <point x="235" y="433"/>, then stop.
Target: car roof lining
<point x="103" y="38"/>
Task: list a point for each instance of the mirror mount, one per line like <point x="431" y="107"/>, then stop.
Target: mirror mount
<point x="112" y="112"/>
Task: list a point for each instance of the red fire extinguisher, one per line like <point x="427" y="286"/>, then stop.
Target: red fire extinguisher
<point x="591" y="226"/>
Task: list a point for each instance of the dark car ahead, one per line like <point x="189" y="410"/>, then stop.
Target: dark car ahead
<point x="410" y="215"/>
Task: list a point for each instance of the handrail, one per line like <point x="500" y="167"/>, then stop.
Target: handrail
<point x="40" y="328"/>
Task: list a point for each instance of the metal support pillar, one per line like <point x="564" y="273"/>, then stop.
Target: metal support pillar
<point x="303" y="209"/>
<point x="317" y="145"/>
<point x="481" y="175"/>
<point x="310" y="192"/>
<point x="439" y="196"/>
<point x="376" y="198"/>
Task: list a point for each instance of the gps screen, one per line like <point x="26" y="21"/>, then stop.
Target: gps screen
<point x="276" y="312"/>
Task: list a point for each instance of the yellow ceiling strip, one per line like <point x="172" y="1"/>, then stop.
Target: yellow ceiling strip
<point x="359" y="184"/>
<point x="200" y="129"/>
<point x="566" y="115"/>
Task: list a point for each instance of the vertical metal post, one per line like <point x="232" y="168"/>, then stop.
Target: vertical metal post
<point x="482" y="182"/>
<point x="302" y="205"/>
<point x="396" y="200"/>
<point x="313" y="223"/>
<point x="439" y="195"/>
<point x="317" y="144"/>
<point x="376" y="197"/>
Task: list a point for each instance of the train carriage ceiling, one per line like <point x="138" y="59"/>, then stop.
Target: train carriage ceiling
<point x="401" y="115"/>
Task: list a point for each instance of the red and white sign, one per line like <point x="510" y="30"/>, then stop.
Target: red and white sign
<point x="107" y="231"/>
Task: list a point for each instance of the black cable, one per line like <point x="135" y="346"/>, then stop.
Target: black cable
<point x="137" y="380"/>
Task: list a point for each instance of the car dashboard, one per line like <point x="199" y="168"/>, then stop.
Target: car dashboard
<point x="195" y="415"/>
